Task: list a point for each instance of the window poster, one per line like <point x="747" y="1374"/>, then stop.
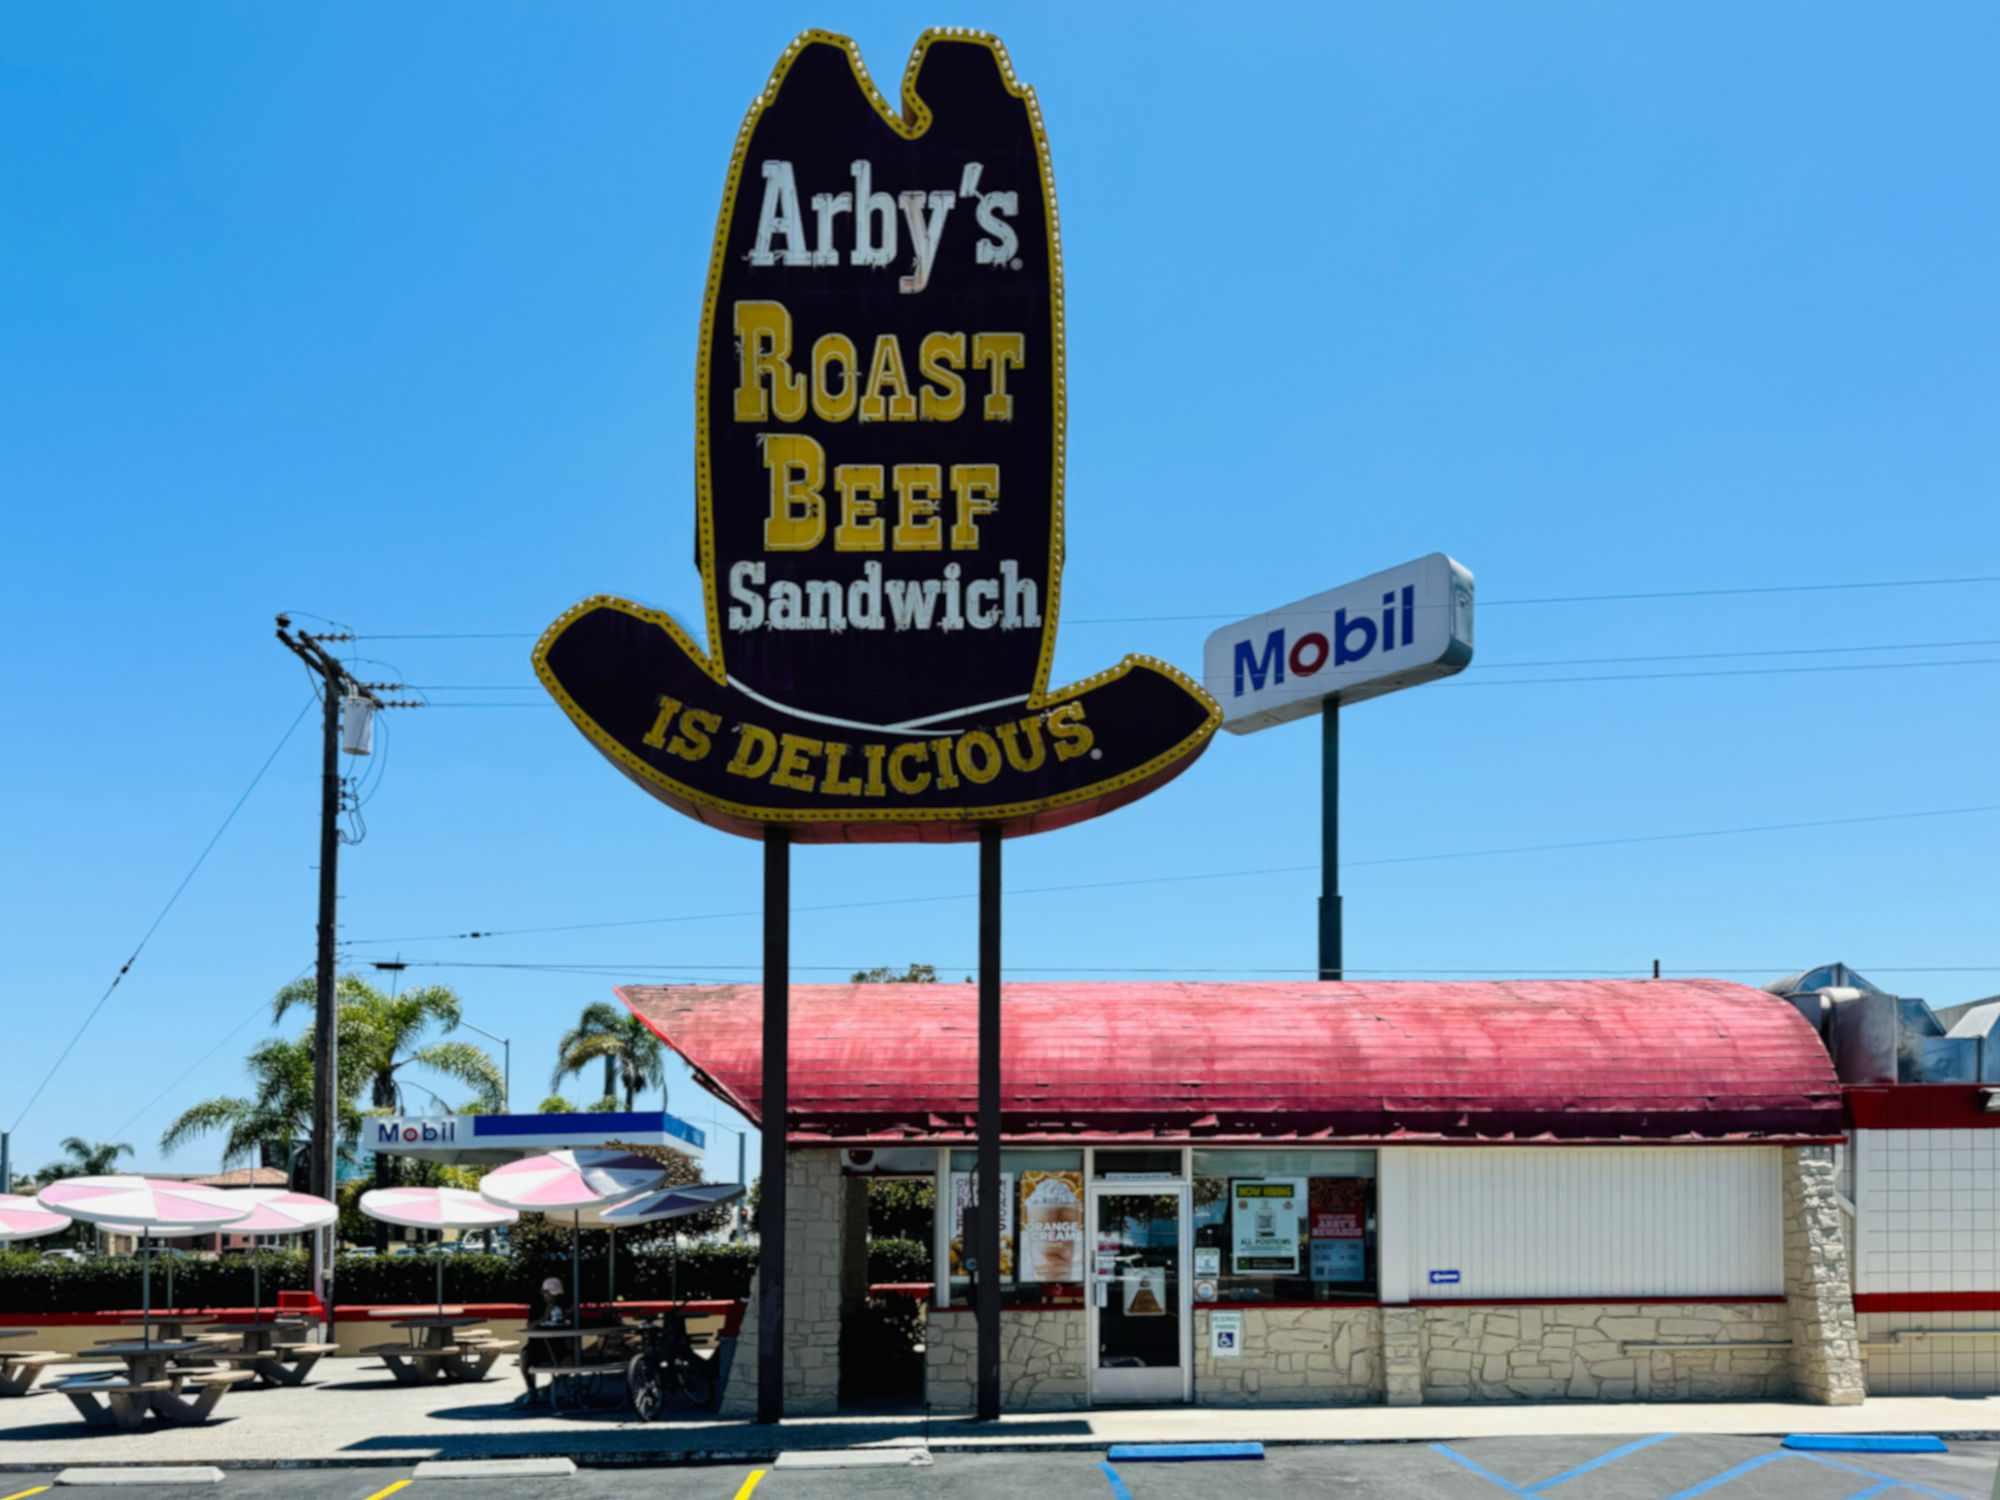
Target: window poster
<point x="1264" y="1225"/>
<point x="962" y="1195"/>
<point x="1337" y="1219"/>
<point x="1052" y="1226"/>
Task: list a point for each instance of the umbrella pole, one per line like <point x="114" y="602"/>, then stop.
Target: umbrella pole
<point x="145" y="1289"/>
<point x="576" y="1262"/>
<point x="439" y="1258"/>
<point x="256" y="1288"/>
<point x="613" y="1287"/>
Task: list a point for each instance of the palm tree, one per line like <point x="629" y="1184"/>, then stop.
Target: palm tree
<point x="386" y="1032"/>
<point x="277" y="1116"/>
<point x="631" y="1054"/>
<point x="83" y="1159"/>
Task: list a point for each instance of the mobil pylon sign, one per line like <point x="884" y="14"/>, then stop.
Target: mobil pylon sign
<point x="879" y="490"/>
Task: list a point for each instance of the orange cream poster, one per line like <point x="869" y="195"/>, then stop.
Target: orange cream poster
<point x="1052" y="1226"/>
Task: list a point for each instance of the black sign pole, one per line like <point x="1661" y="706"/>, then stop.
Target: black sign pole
<point x="1330" y="965"/>
<point x="776" y="1108"/>
<point x="988" y="1194"/>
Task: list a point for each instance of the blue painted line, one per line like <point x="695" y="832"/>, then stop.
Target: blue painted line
<point x="1858" y="1442"/>
<point x="1118" y="1490"/>
<point x="1873" y="1490"/>
<point x="1182" y="1453"/>
<point x="1460" y="1458"/>
<point x="1736" y="1473"/>
<point x="1599" y="1462"/>
<point x="1870" y="1474"/>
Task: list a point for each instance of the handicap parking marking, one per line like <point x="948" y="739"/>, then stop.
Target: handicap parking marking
<point x="1118" y="1490"/>
<point x="1600" y="1461"/>
<point x="1882" y="1482"/>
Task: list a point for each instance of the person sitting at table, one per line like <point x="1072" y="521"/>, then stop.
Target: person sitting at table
<point x="554" y="1314"/>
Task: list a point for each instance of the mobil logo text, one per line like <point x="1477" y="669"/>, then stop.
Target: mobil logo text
<point x="1344" y="641"/>
<point x="1390" y="630"/>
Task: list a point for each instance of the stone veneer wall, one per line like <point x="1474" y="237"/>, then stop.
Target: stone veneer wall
<point x="1586" y="1352"/>
<point x="1819" y="1288"/>
<point x="818" y="1204"/>
<point x="1041" y="1359"/>
<point x="1297" y="1355"/>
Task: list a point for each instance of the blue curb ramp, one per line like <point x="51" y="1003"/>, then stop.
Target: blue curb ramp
<point x="1911" y="1442"/>
<point x="1183" y="1453"/>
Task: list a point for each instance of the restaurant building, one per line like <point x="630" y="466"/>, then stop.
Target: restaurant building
<point x="1370" y="1193"/>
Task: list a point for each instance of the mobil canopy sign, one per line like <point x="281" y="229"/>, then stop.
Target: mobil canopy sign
<point x="1390" y="630"/>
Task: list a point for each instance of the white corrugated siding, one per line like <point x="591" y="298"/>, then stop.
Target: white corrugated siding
<point x="1605" y="1221"/>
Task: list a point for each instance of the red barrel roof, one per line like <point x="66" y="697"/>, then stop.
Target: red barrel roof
<point x="1547" y="1060"/>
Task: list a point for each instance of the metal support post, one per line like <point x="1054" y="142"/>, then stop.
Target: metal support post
<point x="991" y="1214"/>
<point x="775" y="1109"/>
<point x="1330" y="966"/>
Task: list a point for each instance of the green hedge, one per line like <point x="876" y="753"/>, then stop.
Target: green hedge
<point x="30" y="1284"/>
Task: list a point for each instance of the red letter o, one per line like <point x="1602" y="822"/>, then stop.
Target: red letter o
<point x="1318" y="643"/>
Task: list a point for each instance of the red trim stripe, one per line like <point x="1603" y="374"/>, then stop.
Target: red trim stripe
<point x="1899" y="1302"/>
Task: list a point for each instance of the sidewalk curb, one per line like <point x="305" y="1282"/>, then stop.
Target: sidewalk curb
<point x="668" y="1457"/>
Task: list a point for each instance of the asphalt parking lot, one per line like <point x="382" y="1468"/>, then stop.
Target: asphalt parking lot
<point x="1538" y="1468"/>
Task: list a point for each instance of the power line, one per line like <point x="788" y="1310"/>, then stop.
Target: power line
<point x="147" y="1108"/>
<point x="1498" y="682"/>
<point x="1543" y="971"/>
<point x="1855" y="666"/>
<point x="126" y="968"/>
<point x="1097" y="885"/>
<point x="1477" y="666"/>
<point x="1776" y="588"/>
<point x="1603" y="661"/>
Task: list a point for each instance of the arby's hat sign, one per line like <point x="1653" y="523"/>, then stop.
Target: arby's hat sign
<point x="879" y="490"/>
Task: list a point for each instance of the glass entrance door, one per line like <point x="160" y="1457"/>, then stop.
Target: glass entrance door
<point x="1138" y="1302"/>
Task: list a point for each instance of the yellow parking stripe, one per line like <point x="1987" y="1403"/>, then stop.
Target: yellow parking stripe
<point x="23" y="1495"/>
<point x="742" y="1494"/>
<point x="399" y="1484"/>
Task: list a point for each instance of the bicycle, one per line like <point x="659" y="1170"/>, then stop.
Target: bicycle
<point x="667" y="1365"/>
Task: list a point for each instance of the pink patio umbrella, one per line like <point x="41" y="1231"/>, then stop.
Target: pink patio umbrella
<point x="146" y="1204"/>
<point x="22" y="1218"/>
<point x="272" y="1211"/>
<point x="573" y="1180"/>
<point x="651" y="1208"/>
<point x="434" y="1208"/>
<point x="278" y="1211"/>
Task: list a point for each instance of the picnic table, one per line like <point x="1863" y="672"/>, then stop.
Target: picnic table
<point x="574" y="1380"/>
<point x="441" y="1348"/>
<point x="153" y="1383"/>
<point x="21" y="1368"/>
<point x="278" y="1353"/>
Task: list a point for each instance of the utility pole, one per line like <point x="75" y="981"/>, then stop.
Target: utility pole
<point x="322" y="1167"/>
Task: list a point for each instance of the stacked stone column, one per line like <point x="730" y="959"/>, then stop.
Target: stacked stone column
<point x="1819" y="1291"/>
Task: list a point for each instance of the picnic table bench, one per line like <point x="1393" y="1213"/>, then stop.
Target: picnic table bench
<point x="21" y="1368"/>
<point x="276" y="1353"/>
<point x="441" y="1348"/>
<point x="122" y="1402"/>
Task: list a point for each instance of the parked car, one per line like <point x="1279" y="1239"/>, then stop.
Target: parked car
<point x="74" y="1257"/>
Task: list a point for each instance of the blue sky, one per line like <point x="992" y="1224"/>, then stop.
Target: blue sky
<point x="389" y="314"/>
